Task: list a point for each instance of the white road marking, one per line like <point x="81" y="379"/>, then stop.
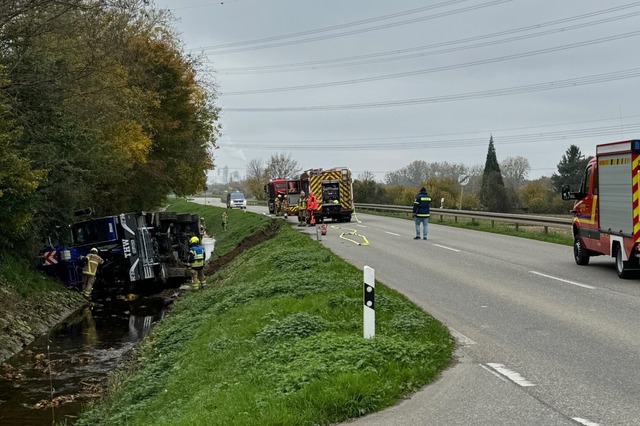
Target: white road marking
<point x="493" y="372"/>
<point x="585" y="422"/>
<point x="361" y="226"/>
<point x="392" y="233"/>
<point x="447" y="248"/>
<point x="563" y="280"/>
<point x="464" y="340"/>
<point x="510" y="374"/>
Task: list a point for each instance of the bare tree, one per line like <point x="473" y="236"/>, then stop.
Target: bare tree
<point x="515" y="170"/>
<point x="255" y="169"/>
<point x="281" y="165"/>
<point x="256" y="178"/>
<point x="367" y="176"/>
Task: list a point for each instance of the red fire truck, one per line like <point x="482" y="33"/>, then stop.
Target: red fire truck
<point x="607" y="210"/>
<point x="288" y="188"/>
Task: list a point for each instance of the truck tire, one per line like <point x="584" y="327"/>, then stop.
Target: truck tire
<point x="168" y="216"/>
<point x="579" y="252"/>
<point x="622" y="267"/>
<point x="184" y="218"/>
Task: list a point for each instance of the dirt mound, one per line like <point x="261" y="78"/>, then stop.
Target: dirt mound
<point x="251" y="241"/>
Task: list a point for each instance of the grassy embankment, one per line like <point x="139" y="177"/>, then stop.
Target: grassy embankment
<point x="275" y="338"/>
<point x="30" y="303"/>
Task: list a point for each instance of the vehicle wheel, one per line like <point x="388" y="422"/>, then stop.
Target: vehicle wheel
<point x="622" y="267"/>
<point x="184" y="218"/>
<point x="167" y="215"/>
<point x="579" y="252"/>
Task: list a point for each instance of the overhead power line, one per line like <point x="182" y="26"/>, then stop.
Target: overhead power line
<point x="537" y="87"/>
<point x="438" y="69"/>
<point x="335" y="27"/>
<point x="395" y="54"/>
<point x="526" y="138"/>
<point x="441" y="135"/>
<point x="363" y="30"/>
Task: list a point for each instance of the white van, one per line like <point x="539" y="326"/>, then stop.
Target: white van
<point x="236" y="199"/>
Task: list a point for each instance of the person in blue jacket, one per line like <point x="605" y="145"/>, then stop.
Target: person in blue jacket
<point x="421" y="213"/>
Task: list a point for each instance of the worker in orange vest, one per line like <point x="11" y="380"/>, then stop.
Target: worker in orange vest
<point x="312" y="206"/>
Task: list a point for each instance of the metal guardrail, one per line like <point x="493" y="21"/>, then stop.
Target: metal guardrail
<point x="517" y="219"/>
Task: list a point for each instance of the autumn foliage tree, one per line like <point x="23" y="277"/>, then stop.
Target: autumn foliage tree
<point x="101" y="108"/>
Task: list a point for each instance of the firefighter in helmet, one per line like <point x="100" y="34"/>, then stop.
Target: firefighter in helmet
<point x="302" y="209"/>
<point x="196" y="260"/>
<point x="278" y="204"/>
<point x="203" y="227"/>
<point x="283" y="205"/>
<point x="89" y="271"/>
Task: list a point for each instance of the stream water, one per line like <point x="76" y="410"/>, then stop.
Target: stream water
<point x="55" y="376"/>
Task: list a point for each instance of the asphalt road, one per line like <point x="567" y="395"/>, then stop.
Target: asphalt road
<point x="541" y="341"/>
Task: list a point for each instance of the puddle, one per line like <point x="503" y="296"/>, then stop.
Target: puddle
<point x="55" y="376"/>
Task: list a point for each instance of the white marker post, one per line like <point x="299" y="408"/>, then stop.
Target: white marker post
<point x="368" y="296"/>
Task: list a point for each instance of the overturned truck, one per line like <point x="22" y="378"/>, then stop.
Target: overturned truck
<point x="142" y="251"/>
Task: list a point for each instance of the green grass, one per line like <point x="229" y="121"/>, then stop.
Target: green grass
<point x="495" y="227"/>
<point x="23" y="278"/>
<point x="239" y="223"/>
<point x="275" y="338"/>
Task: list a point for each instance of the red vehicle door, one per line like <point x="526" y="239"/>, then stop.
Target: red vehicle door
<point x="586" y="215"/>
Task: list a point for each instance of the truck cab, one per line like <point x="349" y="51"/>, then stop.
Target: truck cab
<point x="141" y="250"/>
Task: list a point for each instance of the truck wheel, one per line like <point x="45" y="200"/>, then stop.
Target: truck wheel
<point x="621" y="265"/>
<point x="579" y="252"/>
<point x="184" y="218"/>
<point x="167" y="215"/>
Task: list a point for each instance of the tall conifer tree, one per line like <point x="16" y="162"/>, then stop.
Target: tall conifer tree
<point x="493" y="194"/>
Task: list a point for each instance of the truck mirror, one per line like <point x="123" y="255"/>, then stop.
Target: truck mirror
<point x="83" y="212"/>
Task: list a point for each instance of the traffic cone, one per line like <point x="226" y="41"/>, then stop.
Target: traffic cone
<point x="313" y="219"/>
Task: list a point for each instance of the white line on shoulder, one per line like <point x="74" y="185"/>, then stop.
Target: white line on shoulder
<point x="510" y="374"/>
<point x="562" y="280"/>
<point x="447" y="248"/>
<point x="585" y="422"/>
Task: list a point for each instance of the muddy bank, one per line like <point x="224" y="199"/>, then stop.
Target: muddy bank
<point x="24" y="319"/>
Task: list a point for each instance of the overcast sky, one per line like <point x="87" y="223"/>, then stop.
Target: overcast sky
<point x="375" y="85"/>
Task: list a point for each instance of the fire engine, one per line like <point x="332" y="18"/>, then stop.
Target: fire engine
<point x="333" y="191"/>
<point x="288" y="188"/>
<point x="607" y="210"/>
<point x="331" y="187"/>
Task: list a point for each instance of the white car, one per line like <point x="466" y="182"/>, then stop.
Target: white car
<point x="236" y="199"/>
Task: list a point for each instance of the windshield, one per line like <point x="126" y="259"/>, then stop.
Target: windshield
<point x="237" y="196"/>
<point x="93" y="231"/>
